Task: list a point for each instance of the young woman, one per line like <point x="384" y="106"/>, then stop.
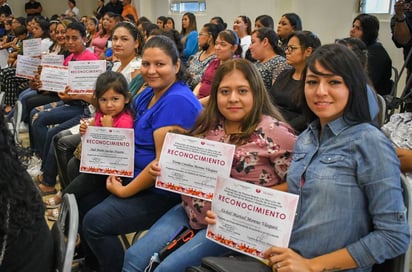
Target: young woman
<point x="100" y="38"/>
<point x="270" y="57"/>
<point x="134" y="205"/>
<point x="161" y="21"/>
<point x="243" y="27"/>
<point x="237" y="84"/>
<point x="226" y="47"/>
<point x="288" y="23"/>
<point x="336" y="168"/>
<point x="189" y="36"/>
<point x="366" y="28"/>
<point x="66" y="113"/>
<point x="301" y="45"/>
<point x="26" y="243"/>
<point x="92" y="27"/>
<point x="170" y="23"/>
<point x="199" y="62"/>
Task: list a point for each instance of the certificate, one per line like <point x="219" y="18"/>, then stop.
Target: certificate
<point x="26" y="67"/>
<point x="52" y="60"/>
<point x="83" y="75"/>
<point x="54" y="78"/>
<point x="32" y="47"/>
<point x="251" y="218"/>
<point x="191" y="165"/>
<point x="108" y="151"/>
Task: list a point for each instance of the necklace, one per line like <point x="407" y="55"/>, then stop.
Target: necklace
<point x="3" y="247"/>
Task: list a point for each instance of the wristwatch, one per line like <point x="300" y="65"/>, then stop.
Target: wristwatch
<point x="400" y="20"/>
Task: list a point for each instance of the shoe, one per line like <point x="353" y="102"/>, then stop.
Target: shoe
<point x="53" y="214"/>
<point x="34" y="166"/>
<point x="54" y="201"/>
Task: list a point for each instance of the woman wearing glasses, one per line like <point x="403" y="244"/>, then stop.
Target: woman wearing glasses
<point x="301" y="45"/>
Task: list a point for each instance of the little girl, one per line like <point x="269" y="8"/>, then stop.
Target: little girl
<point x="112" y="101"/>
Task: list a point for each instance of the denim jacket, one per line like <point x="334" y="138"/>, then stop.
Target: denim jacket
<point x="348" y="180"/>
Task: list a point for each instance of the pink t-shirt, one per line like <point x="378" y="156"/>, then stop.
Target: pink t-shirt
<point x="263" y="160"/>
<point x="208" y="77"/>
<point x="99" y="43"/>
<point x="85" y="55"/>
<point x="122" y="120"/>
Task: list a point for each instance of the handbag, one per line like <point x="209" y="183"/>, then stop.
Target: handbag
<point x="241" y="263"/>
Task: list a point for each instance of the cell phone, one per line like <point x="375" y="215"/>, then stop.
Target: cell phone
<point x="183" y="237"/>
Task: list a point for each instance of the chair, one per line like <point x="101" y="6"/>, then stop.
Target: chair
<point x="2" y="97"/>
<point x="14" y="125"/>
<point x="382" y="110"/>
<point x="64" y="233"/>
<point x="402" y="262"/>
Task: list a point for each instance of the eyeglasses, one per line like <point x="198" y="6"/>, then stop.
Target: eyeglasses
<point x="291" y="48"/>
<point x="203" y="34"/>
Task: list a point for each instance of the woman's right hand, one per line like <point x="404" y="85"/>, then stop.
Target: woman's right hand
<point x="210" y="217"/>
<point x="154" y="169"/>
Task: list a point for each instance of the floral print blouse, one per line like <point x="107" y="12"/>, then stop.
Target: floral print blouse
<point x="263" y="160"/>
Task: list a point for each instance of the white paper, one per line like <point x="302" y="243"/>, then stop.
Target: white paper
<point x="251" y="218"/>
<point x="54" y="78"/>
<point x="83" y="75"/>
<point x="191" y="165"/>
<point x="27" y="66"/>
<point x="51" y="59"/>
<point x="108" y="151"/>
<point x="32" y="47"/>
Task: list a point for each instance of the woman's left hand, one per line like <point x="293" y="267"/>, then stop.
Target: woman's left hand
<point x="285" y="259"/>
<point x="114" y="185"/>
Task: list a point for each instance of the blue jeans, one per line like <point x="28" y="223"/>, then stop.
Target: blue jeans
<point x="113" y="216"/>
<point x="138" y="256"/>
<point x="63" y="115"/>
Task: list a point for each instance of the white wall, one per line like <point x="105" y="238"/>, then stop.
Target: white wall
<point x="329" y="19"/>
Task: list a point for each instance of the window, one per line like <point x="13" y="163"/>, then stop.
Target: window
<point x="182" y="6"/>
<point x="376" y="6"/>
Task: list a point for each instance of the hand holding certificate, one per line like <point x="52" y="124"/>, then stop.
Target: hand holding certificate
<point x="190" y="165"/>
<point x="251" y="218"/>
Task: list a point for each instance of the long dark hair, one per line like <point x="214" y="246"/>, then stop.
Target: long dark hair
<point x="339" y="60"/>
<point x="16" y="189"/>
<point x="211" y="116"/>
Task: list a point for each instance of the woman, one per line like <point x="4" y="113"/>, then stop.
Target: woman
<point x="217" y="20"/>
<point x="366" y="28"/>
<point x="236" y="84"/>
<point x="301" y="45"/>
<point x="100" y="38"/>
<point x="199" y="62"/>
<point x="243" y="27"/>
<point x="65" y="113"/>
<point x="98" y="11"/>
<point x="73" y="10"/>
<point x="189" y="36"/>
<point x="26" y="243"/>
<point x="226" y="47"/>
<point x="134" y="205"/>
<point x="337" y="168"/>
<point x="161" y="21"/>
<point x="92" y="27"/>
<point x="170" y="23"/>
<point x="270" y="57"/>
<point x="288" y="23"/>
<point x="264" y="21"/>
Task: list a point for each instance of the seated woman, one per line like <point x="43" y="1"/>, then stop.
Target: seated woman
<point x="366" y="28"/>
<point x="198" y="63"/>
<point x="301" y="45"/>
<point x="26" y="244"/>
<point x="124" y="206"/>
<point x="237" y="83"/>
<point x="337" y="169"/>
<point x="270" y="58"/>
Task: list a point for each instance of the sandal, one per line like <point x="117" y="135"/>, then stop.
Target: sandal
<point x="46" y="193"/>
<point x="54" y="201"/>
<point x="53" y="214"/>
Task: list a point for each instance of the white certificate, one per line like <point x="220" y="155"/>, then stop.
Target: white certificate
<point x="191" y="165"/>
<point x="32" y="47"/>
<point x="251" y="218"/>
<point x="54" y="78"/>
<point x="83" y="75"/>
<point x="108" y="151"/>
<point x="52" y="60"/>
<point x="26" y="67"/>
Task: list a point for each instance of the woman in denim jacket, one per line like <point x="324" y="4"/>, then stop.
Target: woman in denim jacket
<point x="351" y="213"/>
